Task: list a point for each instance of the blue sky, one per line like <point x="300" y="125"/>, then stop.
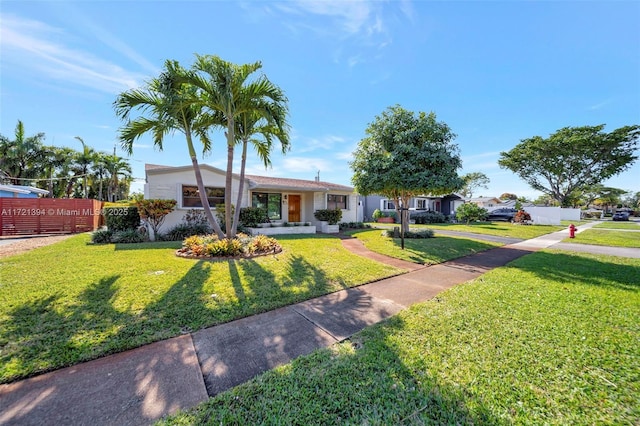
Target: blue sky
<point x="495" y="72"/>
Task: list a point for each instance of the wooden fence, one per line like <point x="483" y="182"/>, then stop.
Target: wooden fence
<point x="32" y="216"/>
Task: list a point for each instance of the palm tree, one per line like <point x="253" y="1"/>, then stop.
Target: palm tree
<point x="84" y="160"/>
<point x="167" y="104"/>
<point x="19" y="159"/>
<point x="117" y="167"/>
<point x="259" y="128"/>
<point x="231" y="99"/>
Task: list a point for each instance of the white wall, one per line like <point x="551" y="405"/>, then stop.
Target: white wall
<point x="169" y="186"/>
<point x="552" y="215"/>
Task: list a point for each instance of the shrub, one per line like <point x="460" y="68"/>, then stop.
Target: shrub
<point x="121" y="218"/>
<point x="252" y="216"/>
<point x="469" y="212"/>
<point x="128" y="236"/>
<point x="195" y="217"/>
<point x="377" y="214"/>
<point x="220" y="213"/>
<point x="423" y="233"/>
<point x="243" y="244"/>
<point x="332" y="216"/>
<point x="522" y="217"/>
<point x="184" y="230"/>
<point x="102" y="236"/>
<point x="428" y="217"/>
<point x="154" y="212"/>
<point x="354" y="225"/>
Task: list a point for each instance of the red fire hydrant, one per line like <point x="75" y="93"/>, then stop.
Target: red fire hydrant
<point x="572" y="231"/>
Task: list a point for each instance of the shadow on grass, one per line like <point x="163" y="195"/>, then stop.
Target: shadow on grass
<point x="155" y="245"/>
<point x="570" y="268"/>
<point x="51" y="333"/>
<point x="361" y="381"/>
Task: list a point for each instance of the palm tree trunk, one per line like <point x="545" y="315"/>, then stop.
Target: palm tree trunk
<point x="229" y="178"/>
<point x="236" y="215"/>
<point x="204" y="199"/>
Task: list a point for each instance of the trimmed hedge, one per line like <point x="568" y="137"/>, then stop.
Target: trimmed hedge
<point x="332" y="216"/>
<point x="121" y="218"/>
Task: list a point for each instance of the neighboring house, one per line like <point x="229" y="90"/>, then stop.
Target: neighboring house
<point x="20" y="191"/>
<point x="489" y="203"/>
<point x="286" y="200"/>
<point x="446" y="204"/>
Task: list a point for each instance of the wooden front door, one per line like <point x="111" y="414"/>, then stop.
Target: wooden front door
<point x="294" y="208"/>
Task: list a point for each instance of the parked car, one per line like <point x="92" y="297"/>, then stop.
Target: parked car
<point x="505" y="214"/>
<point x="621" y="216"/>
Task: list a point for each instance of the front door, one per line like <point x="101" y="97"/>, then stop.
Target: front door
<point x="294" y="208"/>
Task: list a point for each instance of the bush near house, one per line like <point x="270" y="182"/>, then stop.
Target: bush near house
<point x="425" y="217"/>
<point x="121" y="218"/>
<point x="470" y="212"/>
<point x="154" y="211"/>
<point x="331" y="216"/>
<point x="252" y="216"/>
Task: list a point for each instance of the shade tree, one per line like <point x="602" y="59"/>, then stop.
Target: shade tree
<point x="404" y="155"/>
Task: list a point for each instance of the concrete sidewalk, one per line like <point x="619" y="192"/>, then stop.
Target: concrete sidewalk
<point x="142" y="385"/>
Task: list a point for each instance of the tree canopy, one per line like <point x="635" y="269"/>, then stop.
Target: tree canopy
<point x="571" y="159"/>
<point x="405" y="155"/>
<point x="213" y="94"/>
<point x="472" y="182"/>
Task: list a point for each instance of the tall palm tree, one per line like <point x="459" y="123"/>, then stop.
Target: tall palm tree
<point x="260" y="128"/>
<point x="167" y="104"/>
<point x="19" y="158"/>
<point x="84" y="160"/>
<point x="117" y="167"/>
<point x="230" y="97"/>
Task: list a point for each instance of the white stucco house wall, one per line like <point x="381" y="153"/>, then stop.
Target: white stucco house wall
<point x="287" y="200"/>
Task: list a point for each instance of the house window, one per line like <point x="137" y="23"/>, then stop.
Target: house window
<point x="336" y="201"/>
<point x="272" y="203"/>
<point x="191" y="196"/>
<point x="388" y="205"/>
<point x="421" y="204"/>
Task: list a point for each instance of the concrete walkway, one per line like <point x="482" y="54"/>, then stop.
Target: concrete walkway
<point x="142" y="385"/>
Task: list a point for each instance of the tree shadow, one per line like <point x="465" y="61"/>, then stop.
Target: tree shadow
<point x="363" y="380"/>
<point x="569" y="268"/>
<point x="50" y="335"/>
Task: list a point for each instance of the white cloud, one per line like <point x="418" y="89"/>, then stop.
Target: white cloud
<point x="327" y="142"/>
<point x="28" y="45"/>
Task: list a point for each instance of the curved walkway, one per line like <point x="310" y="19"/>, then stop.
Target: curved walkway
<point x="139" y="386"/>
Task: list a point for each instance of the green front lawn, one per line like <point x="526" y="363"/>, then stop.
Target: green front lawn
<point x="73" y="301"/>
<point x="619" y="225"/>
<point x="602" y="237"/>
<point x="424" y="251"/>
<point x="550" y="339"/>
<point x="500" y="229"/>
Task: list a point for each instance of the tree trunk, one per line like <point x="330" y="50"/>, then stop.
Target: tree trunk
<point x="236" y="215"/>
<point x="204" y="199"/>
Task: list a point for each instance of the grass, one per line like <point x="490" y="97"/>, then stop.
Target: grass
<point x="425" y="251"/>
<point x="549" y="339"/>
<point x="72" y="301"/>
<point x="602" y="237"/>
<point x="500" y="229"/>
<point x="619" y="225"/>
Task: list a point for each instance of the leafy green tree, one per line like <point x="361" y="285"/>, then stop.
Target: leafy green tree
<point x="244" y="108"/>
<point x="471" y="212"/>
<point x="609" y="197"/>
<point x="405" y="155"/>
<point x="632" y="199"/>
<point x="572" y="158"/>
<point x="20" y="157"/>
<point x="472" y="182"/>
<point x="167" y="104"/>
